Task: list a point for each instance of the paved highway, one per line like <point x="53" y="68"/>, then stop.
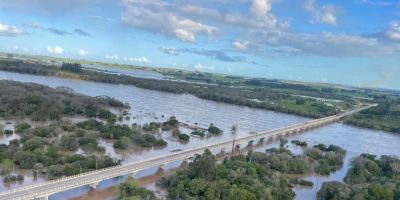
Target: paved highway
<point x="44" y="190"/>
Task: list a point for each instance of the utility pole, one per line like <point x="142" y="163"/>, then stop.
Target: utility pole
<point x="233" y="130"/>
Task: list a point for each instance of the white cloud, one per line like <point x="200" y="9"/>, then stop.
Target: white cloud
<point x="82" y="52"/>
<point x="55" y="49"/>
<point x="112" y="57"/>
<point x="153" y="17"/>
<point x="169" y="50"/>
<point x="7" y="30"/>
<point x="325" y="14"/>
<point x="320" y="44"/>
<point x="241" y="44"/>
<point x="186" y="21"/>
<point x="393" y="32"/>
<point x="260" y="8"/>
<point x="141" y="59"/>
<point x="200" y="66"/>
<point x="260" y="19"/>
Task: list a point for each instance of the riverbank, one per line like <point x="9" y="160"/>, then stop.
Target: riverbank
<point x="152" y="104"/>
<point x="355" y="140"/>
<point x="386" y="117"/>
<point x="276" y="96"/>
<point x="293" y="98"/>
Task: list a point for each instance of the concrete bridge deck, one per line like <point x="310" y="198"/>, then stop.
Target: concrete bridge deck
<point x="93" y="178"/>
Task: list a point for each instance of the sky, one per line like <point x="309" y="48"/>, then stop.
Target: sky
<point x="351" y="42"/>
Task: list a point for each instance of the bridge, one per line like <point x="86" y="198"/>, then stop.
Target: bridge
<point x="43" y="190"/>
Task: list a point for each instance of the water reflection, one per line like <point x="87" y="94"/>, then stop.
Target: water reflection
<point x="125" y="71"/>
<point x="355" y="140"/>
<point x="150" y="105"/>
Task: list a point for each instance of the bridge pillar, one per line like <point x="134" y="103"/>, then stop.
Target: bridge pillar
<point x="185" y="162"/>
<point x="223" y="150"/>
<point x="133" y="174"/>
<point x="41" y="198"/>
<point x="261" y="140"/>
<point x="286" y="133"/>
<point x="94" y="185"/>
<point x="162" y="167"/>
<point x="238" y="148"/>
<point x="250" y="143"/>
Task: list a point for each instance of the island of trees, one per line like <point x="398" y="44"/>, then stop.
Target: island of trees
<point x="255" y="175"/>
<point x="385" y="116"/>
<point x="368" y="178"/>
<point x="274" y="97"/>
<point x="48" y="141"/>
<point x="293" y="98"/>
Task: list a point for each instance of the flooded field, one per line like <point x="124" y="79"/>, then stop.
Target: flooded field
<point x="148" y="106"/>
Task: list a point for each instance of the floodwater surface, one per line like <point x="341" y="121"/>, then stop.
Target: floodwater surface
<point x="148" y="105"/>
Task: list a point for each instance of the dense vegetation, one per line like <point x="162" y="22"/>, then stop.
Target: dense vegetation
<point x="329" y="158"/>
<point x="299" y="143"/>
<point x="42" y="150"/>
<point x="281" y="96"/>
<point x="49" y="148"/>
<point x="368" y="178"/>
<point x="235" y="178"/>
<point x="254" y="176"/>
<point x="271" y="98"/>
<point x="214" y="130"/>
<point x="385" y="116"/>
<point x="123" y="134"/>
<point x="131" y="190"/>
<point x="41" y="103"/>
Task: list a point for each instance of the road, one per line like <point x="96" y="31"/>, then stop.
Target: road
<point x="93" y="178"/>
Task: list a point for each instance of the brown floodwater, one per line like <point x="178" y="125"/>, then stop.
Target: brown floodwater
<point x="148" y="105"/>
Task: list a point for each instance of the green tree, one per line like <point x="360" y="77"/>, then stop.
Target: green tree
<point x="214" y="130"/>
<point x="379" y="192"/>
<point x="69" y="143"/>
<point x="6" y="167"/>
<point x="122" y="143"/>
<point x="131" y="190"/>
<point x="184" y="137"/>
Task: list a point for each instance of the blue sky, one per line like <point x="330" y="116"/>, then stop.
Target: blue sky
<point x="353" y="42"/>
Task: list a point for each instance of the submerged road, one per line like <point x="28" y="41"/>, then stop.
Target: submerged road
<point x="93" y="178"/>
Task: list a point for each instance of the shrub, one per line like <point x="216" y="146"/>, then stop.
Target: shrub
<point x="69" y="143"/>
<point x="299" y="143"/>
<point x="184" y="137"/>
<point x="214" y="130"/>
<point x="198" y="133"/>
<point x="22" y="127"/>
<point x="8" y="132"/>
<point x="122" y="143"/>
